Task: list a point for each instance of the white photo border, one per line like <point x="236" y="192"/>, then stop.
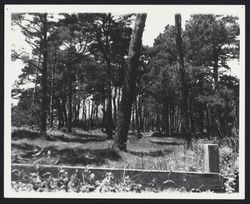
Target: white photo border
<point x="238" y="10"/>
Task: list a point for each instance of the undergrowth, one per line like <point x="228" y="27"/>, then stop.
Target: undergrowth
<point x="87" y="149"/>
<point x="85" y="182"/>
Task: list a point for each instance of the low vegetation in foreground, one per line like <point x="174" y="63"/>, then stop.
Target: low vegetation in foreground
<point x="86" y="182"/>
<point x="82" y="148"/>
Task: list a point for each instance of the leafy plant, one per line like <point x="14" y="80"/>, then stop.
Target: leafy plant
<point x="229" y="168"/>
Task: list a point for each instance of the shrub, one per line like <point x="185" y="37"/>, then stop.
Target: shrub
<point x="229" y="168"/>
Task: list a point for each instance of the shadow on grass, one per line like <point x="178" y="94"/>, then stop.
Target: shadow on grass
<point x="84" y="139"/>
<point x="65" y="156"/>
<point x="24" y="133"/>
<point x="18" y="134"/>
<point x="86" y="157"/>
<point x="84" y="135"/>
<point x="158" y="153"/>
<point x="24" y="146"/>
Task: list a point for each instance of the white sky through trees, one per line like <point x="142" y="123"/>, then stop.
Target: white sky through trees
<point x="155" y="24"/>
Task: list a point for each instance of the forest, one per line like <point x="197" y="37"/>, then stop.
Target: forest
<point x="91" y="72"/>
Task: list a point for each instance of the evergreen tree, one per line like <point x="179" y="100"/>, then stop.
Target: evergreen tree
<point x="129" y="83"/>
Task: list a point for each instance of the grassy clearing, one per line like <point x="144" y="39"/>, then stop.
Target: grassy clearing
<point x="92" y="148"/>
<point x="83" y="148"/>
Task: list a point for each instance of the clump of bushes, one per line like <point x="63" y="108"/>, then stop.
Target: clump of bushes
<point x="229" y="156"/>
<point x="229" y="168"/>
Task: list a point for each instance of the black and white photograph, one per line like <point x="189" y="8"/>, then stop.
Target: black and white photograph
<point x="124" y="101"/>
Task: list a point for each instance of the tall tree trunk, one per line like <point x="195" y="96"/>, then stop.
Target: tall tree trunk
<point x="34" y="98"/>
<point x="96" y="116"/>
<point x="84" y="114"/>
<point x="103" y="115"/>
<point x="140" y="124"/>
<point x="77" y="113"/>
<point x="157" y="121"/>
<point x="51" y="117"/>
<point x="129" y="83"/>
<point x="137" y="116"/>
<point x="170" y="119"/>
<point x="133" y="118"/>
<point x="165" y="117"/>
<point x="59" y="113"/>
<point x="92" y="115"/>
<point x="44" y="76"/>
<point x="52" y="92"/>
<point x="114" y="105"/>
<point x="89" y="114"/>
<point x="215" y="67"/>
<point x="208" y="121"/>
<point x="183" y="91"/>
<point x="103" y="109"/>
<point x="106" y="53"/>
<point x="109" y="123"/>
<point x="70" y="104"/>
<point x="191" y="118"/>
<point x="201" y="108"/>
<point x="226" y="115"/>
<point x="64" y="109"/>
<point x="119" y="99"/>
<point x="85" y="106"/>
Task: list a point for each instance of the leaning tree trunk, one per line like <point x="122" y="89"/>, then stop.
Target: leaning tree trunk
<point x="129" y="83"/>
<point x="44" y="77"/>
<point x="184" y="129"/>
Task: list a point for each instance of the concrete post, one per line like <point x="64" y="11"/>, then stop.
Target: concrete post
<point x="211" y="158"/>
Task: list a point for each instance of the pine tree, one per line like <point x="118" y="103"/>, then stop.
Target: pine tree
<point x="129" y="83"/>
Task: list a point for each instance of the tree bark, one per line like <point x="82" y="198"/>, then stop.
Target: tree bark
<point x="184" y="129"/>
<point x="52" y="92"/>
<point x="114" y="104"/>
<point x="140" y="125"/>
<point x="215" y="68"/>
<point x="70" y="104"/>
<point x="137" y="116"/>
<point x="44" y="77"/>
<point x="129" y="83"/>
<point x="59" y="113"/>
<point x="165" y="117"/>
<point x="64" y="104"/>
<point x="109" y="123"/>
<point x="133" y="118"/>
<point x="119" y="99"/>
<point x="103" y="115"/>
<point x="226" y="115"/>
<point x="201" y="108"/>
<point x="208" y="121"/>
